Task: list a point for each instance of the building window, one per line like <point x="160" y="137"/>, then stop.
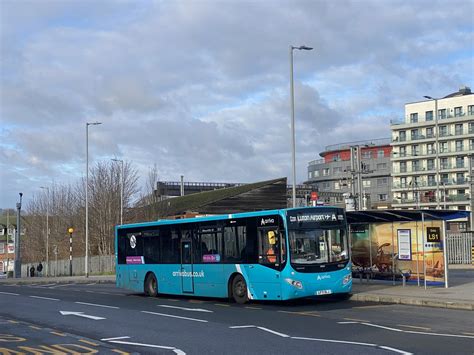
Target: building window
<point x="382" y="182"/>
<point x="431" y="180"/>
<point x="443" y="131"/>
<point x="430" y="164"/>
<point x="442" y="114"/>
<point x="380" y="153"/>
<point x="459" y="146"/>
<point x="403" y="151"/>
<point x="316" y="173"/>
<point x="458" y="129"/>
<point x="459" y="162"/>
<point x="415" y="150"/>
<point x="381" y="166"/>
<point x="337" y="170"/>
<point x="337" y="185"/>
<point x="443" y="162"/>
<point x="383" y="197"/>
<point x="444" y="178"/>
<point x="366" y="183"/>
<point x="339" y="199"/>
<point x="415" y="165"/>
<point x="414" y="134"/>
<point x="443" y="147"/>
<point x="403" y="136"/>
<point x="2" y="248"/>
<point x="429" y="115"/>
<point x="458" y="111"/>
<point x="336" y="157"/>
<point x="403" y="167"/>
<point x="471" y="128"/>
<point x="366" y="154"/>
<point x="471" y="144"/>
<point x="413" y="117"/>
<point x="325" y="185"/>
<point x="470" y="110"/>
<point x="326" y="172"/>
<point x="429" y="132"/>
<point x="430" y="148"/>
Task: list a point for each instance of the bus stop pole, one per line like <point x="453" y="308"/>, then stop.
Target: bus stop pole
<point x="445" y="256"/>
<point x="418" y="254"/>
<point x="423" y="244"/>
<point x="393" y="259"/>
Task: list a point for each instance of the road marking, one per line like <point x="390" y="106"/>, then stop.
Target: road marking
<point x="59" y="334"/>
<point x="10" y="293"/>
<point x="88" y="342"/>
<point x="175" y="350"/>
<point x="97" y="305"/>
<point x="171" y="316"/>
<point x="186" y="309"/>
<point x="120" y="352"/>
<point x="261" y="328"/>
<point x="374" y="306"/>
<point x="309" y="313"/>
<point x="80" y="314"/>
<point x="48" y="285"/>
<point x="33" y="327"/>
<point x="334" y="341"/>
<point x="468" y="333"/>
<point x="357" y="320"/>
<point x="348" y="322"/>
<point x="221" y="304"/>
<point x="381" y="326"/>
<point x="45" y="298"/>
<point x="412" y="326"/>
<point x="94" y="283"/>
<point x="63" y="285"/>
<point x="249" y="307"/>
<point x="395" y="350"/>
<point x="13" y="321"/>
<point x="116" y="338"/>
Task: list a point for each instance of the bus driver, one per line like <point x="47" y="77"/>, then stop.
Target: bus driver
<point x="271" y="254"/>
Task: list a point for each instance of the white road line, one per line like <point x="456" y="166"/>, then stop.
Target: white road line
<point x="395" y="350"/>
<point x="186" y="309"/>
<point x="242" y="326"/>
<point x="347" y="322"/>
<point x="175" y="350"/>
<point x="439" y="334"/>
<point x="335" y="341"/>
<point x="97" y="305"/>
<point x="45" y="298"/>
<point x="381" y="326"/>
<point x="274" y="332"/>
<point x="10" y="293"/>
<point x="171" y="316"/>
<point x="63" y="285"/>
<point x="116" y="338"/>
<point x="48" y="285"/>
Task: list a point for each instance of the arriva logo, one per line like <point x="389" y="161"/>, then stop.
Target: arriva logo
<point x="323" y="277"/>
<point x="267" y="221"/>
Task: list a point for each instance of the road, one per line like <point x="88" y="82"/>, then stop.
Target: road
<point x="90" y="318"/>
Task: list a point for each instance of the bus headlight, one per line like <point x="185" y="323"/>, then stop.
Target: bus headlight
<point x="347" y="279"/>
<point x="295" y="283"/>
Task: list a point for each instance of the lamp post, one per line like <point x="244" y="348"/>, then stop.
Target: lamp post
<point x="121" y="188"/>
<point x="47" y="229"/>
<point x="17" y="240"/>
<point x="292" y="99"/>
<point x="436" y="150"/>
<point x="87" y="192"/>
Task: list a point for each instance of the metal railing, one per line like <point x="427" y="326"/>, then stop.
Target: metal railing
<point x="459" y="248"/>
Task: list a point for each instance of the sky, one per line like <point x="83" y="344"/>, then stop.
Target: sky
<point x="201" y="88"/>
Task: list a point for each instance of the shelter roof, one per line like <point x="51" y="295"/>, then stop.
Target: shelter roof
<point x="374" y="216"/>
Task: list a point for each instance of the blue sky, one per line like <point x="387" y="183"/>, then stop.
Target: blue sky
<point x="201" y="88"/>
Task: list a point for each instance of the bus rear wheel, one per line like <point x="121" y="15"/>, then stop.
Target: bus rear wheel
<point x="151" y="285"/>
<point x="239" y="290"/>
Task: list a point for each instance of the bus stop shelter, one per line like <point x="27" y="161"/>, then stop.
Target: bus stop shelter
<point x="406" y="244"/>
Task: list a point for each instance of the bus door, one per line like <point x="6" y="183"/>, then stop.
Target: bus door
<point x="187" y="279"/>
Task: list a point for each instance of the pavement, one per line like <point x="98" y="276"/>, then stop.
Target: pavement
<point x="459" y="295"/>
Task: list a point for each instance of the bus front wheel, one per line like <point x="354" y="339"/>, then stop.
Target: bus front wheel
<point x="151" y="285"/>
<point x="239" y="290"/>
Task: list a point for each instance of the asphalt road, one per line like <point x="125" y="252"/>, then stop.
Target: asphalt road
<point x="88" y="318"/>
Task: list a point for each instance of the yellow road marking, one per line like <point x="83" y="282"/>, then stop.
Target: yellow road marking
<point x="221" y="304"/>
<point x="13" y="321"/>
<point x="33" y="327"/>
<point x="88" y="342"/>
<point x="413" y="326"/>
<point x="357" y="320"/>
<point x="252" y="307"/>
<point x="120" y="352"/>
<point x="60" y="334"/>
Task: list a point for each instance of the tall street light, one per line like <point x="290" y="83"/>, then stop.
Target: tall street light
<point x="47" y="228"/>
<point x="436" y="150"/>
<point x="121" y="188"/>
<point x="87" y="193"/>
<point x="292" y="98"/>
<point x="17" y="266"/>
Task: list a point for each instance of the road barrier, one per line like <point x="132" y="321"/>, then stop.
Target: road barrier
<point x="98" y="265"/>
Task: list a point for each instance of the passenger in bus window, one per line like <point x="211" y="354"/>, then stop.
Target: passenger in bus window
<point x="272" y="250"/>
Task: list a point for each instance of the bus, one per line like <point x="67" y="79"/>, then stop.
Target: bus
<point x="265" y="255"/>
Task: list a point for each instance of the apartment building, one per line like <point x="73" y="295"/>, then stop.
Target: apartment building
<point x="339" y="172"/>
<point x="432" y="150"/>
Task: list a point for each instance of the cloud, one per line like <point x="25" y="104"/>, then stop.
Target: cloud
<point x="202" y="89"/>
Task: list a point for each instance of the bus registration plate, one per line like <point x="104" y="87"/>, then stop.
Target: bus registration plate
<point x="323" y="292"/>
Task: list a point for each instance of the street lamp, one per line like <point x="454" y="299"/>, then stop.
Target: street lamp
<point x="87" y="192"/>
<point x="17" y="265"/>
<point x="47" y="228"/>
<point x="292" y="99"/>
<point x="121" y="188"/>
<point x="436" y="150"/>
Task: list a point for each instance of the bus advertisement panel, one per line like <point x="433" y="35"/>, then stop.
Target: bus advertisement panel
<point x="265" y="255"/>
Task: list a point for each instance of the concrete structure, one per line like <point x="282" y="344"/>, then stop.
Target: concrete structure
<point x="432" y="147"/>
<point x="359" y="168"/>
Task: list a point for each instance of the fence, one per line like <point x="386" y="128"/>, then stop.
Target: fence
<point x="459" y="247"/>
<point x="97" y="265"/>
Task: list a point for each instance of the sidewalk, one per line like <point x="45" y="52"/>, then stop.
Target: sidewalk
<point x="459" y="295"/>
<point x="60" y="279"/>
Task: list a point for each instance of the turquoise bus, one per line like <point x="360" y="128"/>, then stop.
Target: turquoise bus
<point x="265" y="255"/>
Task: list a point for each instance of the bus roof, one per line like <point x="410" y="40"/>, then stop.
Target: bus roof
<point x="220" y="217"/>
